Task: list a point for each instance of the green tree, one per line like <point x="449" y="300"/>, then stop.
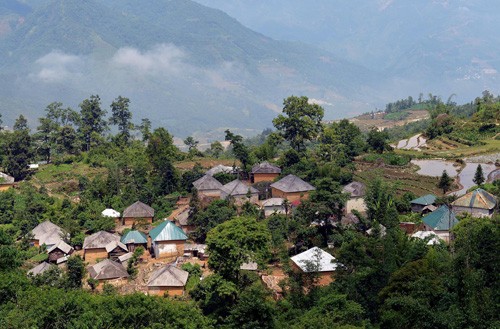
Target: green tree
<point x="21" y="124"/>
<point x="1" y="122"/>
<point x="377" y="140"/>
<point x="445" y="182"/>
<point x="46" y="137"/>
<point x="161" y="152"/>
<point x="216" y="149"/>
<point x="18" y="153"/>
<point x="191" y="143"/>
<point x="92" y="124"/>
<point x="479" y="175"/>
<point x="253" y="309"/>
<point x="122" y="117"/>
<point x="240" y="150"/>
<point x="76" y="272"/>
<point x="380" y="204"/>
<point x="145" y="129"/>
<point x="216" y="213"/>
<point x="236" y="241"/>
<point x="300" y="121"/>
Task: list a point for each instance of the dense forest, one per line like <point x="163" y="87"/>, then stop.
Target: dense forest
<point x="385" y="279"/>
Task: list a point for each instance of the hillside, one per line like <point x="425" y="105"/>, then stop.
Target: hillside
<point x="185" y="66"/>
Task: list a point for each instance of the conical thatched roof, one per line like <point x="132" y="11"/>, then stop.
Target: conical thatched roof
<point x="265" y="168"/>
<point x="99" y="240"/>
<point x="292" y="183"/>
<point x="138" y="210"/>
<point x="107" y="269"/>
<point x="168" y="276"/>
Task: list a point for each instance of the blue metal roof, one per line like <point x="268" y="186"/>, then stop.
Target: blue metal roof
<point x="425" y="200"/>
<point x="167" y="231"/>
<point x="134" y="237"/>
<point x="441" y="219"/>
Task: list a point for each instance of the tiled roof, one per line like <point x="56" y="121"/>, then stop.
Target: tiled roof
<point x="292" y="183"/>
<point x="207" y="182"/>
<point x="134" y="236"/>
<point x="167" y="231"/>
<point x="265" y="168"/>
<point x="138" y="210"/>
<point x="315" y="258"/>
<point x="168" y="276"/>
<point x="107" y="269"/>
<point x="478" y="198"/>
<point x="99" y="240"/>
<point x="441" y="219"/>
<point x="237" y="187"/>
<point x="425" y="200"/>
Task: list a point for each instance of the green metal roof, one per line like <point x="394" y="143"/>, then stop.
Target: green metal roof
<point x="441" y="219"/>
<point x="134" y="237"/>
<point x="478" y="198"/>
<point x="167" y="231"/>
<point x="425" y="200"/>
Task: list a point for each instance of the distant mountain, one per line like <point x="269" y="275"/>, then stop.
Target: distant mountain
<point x="185" y="66"/>
<point x="437" y="46"/>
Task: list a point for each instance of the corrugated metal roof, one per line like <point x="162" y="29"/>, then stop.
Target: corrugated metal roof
<point x="134" y="237"/>
<point x="292" y="183"/>
<point x="478" y="198"/>
<point x="107" y="269"/>
<point x="138" y="210"/>
<point x="168" y="276"/>
<point x="441" y="219"/>
<point x="315" y="258"/>
<point x="425" y="200"/>
<point x="266" y="168"/>
<point x="207" y="182"/>
<point x="167" y="231"/>
<point x="110" y="213"/>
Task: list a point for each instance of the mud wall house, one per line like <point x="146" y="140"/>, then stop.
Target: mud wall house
<point x="208" y="186"/>
<point x="134" y="239"/>
<point x="138" y="212"/>
<point x="58" y="251"/>
<point x="356" y="201"/>
<point x="264" y="172"/>
<point x="167" y="240"/>
<point x="108" y="271"/>
<point x="182" y="220"/>
<point x="440" y="221"/>
<point x="317" y="262"/>
<point x="477" y="203"/>
<point x="116" y="249"/>
<point x="40" y="268"/>
<point x="168" y="280"/>
<point x="239" y="192"/>
<point x="46" y="233"/>
<point x="6" y="182"/>
<point x="291" y="188"/>
<point x="423" y="202"/>
<point x="94" y="246"/>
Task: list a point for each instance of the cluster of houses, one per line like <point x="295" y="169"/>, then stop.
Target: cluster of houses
<point x="108" y="253"/>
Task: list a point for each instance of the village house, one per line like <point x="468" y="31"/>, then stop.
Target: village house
<point x="220" y="169"/>
<point x="239" y="192"/>
<point x="168" y="280"/>
<point x="264" y="172"/>
<point x="138" y="212"/>
<point x="292" y="188"/>
<point x="123" y="259"/>
<point x="6" y="181"/>
<point x="111" y="213"/>
<point x="208" y="186"/>
<point x="59" y="250"/>
<point x="115" y="249"/>
<point x="133" y="239"/>
<point x="96" y="246"/>
<point x="182" y="220"/>
<point x="40" y="268"/>
<point x="274" y="206"/>
<point x="356" y="201"/>
<point x="167" y="240"/>
<point x="424" y="204"/>
<point x="46" y="233"/>
<point x="316" y="260"/>
<point x="108" y="271"/>
<point x="440" y="221"/>
<point x="477" y="203"/>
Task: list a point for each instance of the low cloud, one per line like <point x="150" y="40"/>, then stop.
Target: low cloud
<point x="57" y="66"/>
<point x="319" y="102"/>
<point x="161" y="58"/>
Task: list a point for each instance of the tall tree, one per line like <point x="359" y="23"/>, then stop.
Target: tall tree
<point x="445" y="182"/>
<point x="479" y="176"/>
<point x="162" y="153"/>
<point x="21" y="124"/>
<point x="122" y="117"/>
<point x="92" y="124"/>
<point x="300" y="121"/>
<point x="240" y="150"/>
<point x="18" y="153"/>
<point x="1" y="122"/>
<point x="145" y="129"/>
<point x="377" y="140"/>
